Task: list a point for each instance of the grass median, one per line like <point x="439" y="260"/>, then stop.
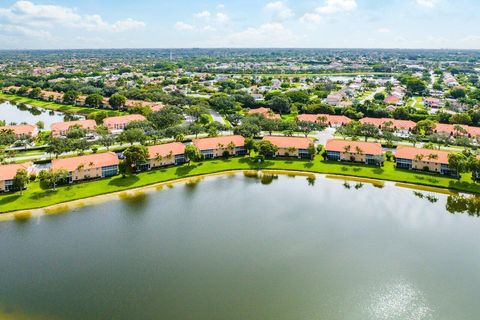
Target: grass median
<point x="36" y="197"/>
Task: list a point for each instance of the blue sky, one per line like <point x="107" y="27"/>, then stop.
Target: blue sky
<point x="47" y="24"/>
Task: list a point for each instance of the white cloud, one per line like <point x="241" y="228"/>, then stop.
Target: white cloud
<point x="330" y="7"/>
<point x="180" y="25"/>
<point x="311" y="18"/>
<point x="280" y="9"/>
<point x="221" y="17"/>
<point x="427" y="3"/>
<point x="209" y="28"/>
<point x="383" y="30"/>
<point x="202" y="14"/>
<point x="26" y="31"/>
<point x="334" y="6"/>
<point x="266" y="35"/>
<point x="28" y="14"/>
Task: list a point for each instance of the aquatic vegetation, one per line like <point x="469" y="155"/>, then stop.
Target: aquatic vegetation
<point x="22" y="215"/>
<point x="58" y="209"/>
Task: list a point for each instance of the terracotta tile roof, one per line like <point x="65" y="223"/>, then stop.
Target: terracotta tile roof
<point x="8" y="171"/>
<point x="212" y="143"/>
<point x="450" y="129"/>
<point x="392" y="99"/>
<point x="98" y="160"/>
<point x="64" y="126"/>
<point x="20" y="129"/>
<point x="267" y="113"/>
<point x="409" y="153"/>
<point x="164" y="149"/>
<point x="330" y="118"/>
<point x="398" y="124"/>
<point x="123" y="119"/>
<point x="473" y="131"/>
<point x="289" y="142"/>
<point x="366" y="147"/>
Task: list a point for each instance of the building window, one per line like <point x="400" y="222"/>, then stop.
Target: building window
<point x="109" y="171"/>
<point x="179" y="158"/>
<point x="333" y="155"/>
<point x="208" y="154"/>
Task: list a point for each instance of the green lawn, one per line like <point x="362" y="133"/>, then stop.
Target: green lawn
<point x="36" y="197"/>
<point x="54" y="106"/>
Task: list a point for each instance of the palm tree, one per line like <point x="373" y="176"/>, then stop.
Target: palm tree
<point x="231" y="147"/>
<point x="347" y="148"/>
<point x="419" y="157"/>
<point x="358" y="150"/>
<point x="290" y="151"/>
<point x="459" y="130"/>
<point x="432" y="156"/>
<point x="322" y="119"/>
<point x="158" y="157"/>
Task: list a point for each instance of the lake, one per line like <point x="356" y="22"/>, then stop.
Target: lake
<point x="238" y="247"/>
<point x="23" y="113"/>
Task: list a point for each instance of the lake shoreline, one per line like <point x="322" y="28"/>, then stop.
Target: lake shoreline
<point x="67" y="206"/>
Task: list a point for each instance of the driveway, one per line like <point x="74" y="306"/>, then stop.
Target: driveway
<point x="324" y="135"/>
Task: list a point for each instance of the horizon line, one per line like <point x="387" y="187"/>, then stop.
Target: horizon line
<point x="239" y="48"/>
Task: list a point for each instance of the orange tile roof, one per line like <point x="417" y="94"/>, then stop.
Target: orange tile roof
<point x="98" y="160"/>
<point x="123" y="119"/>
<point x="8" y="171"/>
<point x="20" y="129"/>
<point x="409" y="153"/>
<point x="330" y="118"/>
<point x="267" y="113"/>
<point x="398" y="124"/>
<point x="392" y="99"/>
<point x="366" y="147"/>
<point x="289" y="142"/>
<point x="212" y="143"/>
<point x="164" y="149"/>
<point x="444" y="128"/>
<point x="473" y="131"/>
<point x="64" y="126"/>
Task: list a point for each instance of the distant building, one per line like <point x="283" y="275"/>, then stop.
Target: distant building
<point x="403" y="127"/>
<point x="116" y="125"/>
<point x="60" y="129"/>
<point x="334" y="121"/>
<point x="393" y="99"/>
<point x="354" y="151"/>
<point x="432" y="102"/>
<point x="22" y="129"/>
<point x="266" y="112"/>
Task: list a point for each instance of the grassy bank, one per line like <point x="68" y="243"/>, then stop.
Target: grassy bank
<point x="36" y="197"/>
<point x="53" y="105"/>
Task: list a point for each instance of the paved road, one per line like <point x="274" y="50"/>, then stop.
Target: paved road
<point x="217" y="117"/>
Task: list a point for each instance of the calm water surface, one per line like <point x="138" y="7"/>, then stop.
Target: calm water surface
<point x="31" y="115"/>
<point x="237" y="248"/>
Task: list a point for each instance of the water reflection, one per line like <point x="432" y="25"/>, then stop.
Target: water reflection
<point x="19" y="113"/>
<point x="464" y="204"/>
<point x="429" y="197"/>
